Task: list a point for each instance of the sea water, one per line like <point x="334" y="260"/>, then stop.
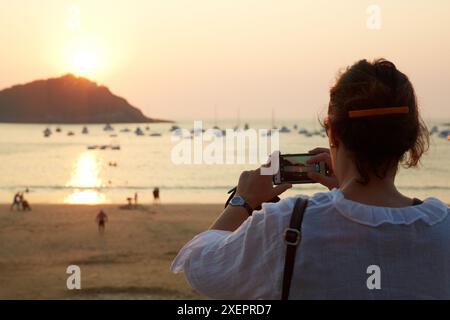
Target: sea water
<point x="61" y="168"/>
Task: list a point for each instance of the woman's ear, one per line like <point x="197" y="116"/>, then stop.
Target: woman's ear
<point x="332" y="138"/>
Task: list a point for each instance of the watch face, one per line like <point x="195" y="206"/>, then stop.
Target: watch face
<point x="237" y="201"/>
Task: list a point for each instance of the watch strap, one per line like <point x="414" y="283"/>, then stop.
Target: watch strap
<point x="248" y="208"/>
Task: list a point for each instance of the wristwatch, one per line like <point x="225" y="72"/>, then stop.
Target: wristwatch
<point x="238" y="201"/>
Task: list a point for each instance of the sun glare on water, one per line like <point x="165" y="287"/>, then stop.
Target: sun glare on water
<point x="86" y="197"/>
<point x="86" y="181"/>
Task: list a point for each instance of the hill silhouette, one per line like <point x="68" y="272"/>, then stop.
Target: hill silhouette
<point x="68" y="99"/>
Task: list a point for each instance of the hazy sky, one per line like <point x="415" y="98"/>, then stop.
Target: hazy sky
<point x="180" y="58"/>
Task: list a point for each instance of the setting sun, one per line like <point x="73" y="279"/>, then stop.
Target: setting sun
<point x="84" y="55"/>
<point x="84" y="63"/>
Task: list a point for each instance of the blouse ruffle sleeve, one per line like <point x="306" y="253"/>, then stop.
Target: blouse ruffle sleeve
<point x="244" y="264"/>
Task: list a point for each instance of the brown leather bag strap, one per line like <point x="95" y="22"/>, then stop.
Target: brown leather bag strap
<point x="292" y="236"/>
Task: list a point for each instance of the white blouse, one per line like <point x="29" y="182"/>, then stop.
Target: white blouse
<point x="340" y="240"/>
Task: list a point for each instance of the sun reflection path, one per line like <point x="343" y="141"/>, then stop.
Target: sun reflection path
<point x="86" y="181"/>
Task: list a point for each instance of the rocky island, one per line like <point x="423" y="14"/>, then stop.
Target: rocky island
<point x="68" y="99"/>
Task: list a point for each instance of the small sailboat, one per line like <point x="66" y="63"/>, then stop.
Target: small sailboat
<point x="139" y="131"/>
<point x="85" y="130"/>
<point x="155" y="134"/>
<point x="303" y="131"/>
<point x="237" y="127"/>
<point x="108" y="127"/>
<point x="103" y="147"/>
<point x="216" y="129"/>
<point x="285" y="129"/>
<point x="177" y="132"/>
<point x="268" y="133"/>
<point x="47" y="132"/>
<point x="218" y="133"/>
<point x="274" y="127"/>
<point x="197" y="131"/>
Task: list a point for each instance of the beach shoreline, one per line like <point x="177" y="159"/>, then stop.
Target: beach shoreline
<point x="131" y="260"/>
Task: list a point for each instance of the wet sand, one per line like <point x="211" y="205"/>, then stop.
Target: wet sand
<point x="130" y="260"/>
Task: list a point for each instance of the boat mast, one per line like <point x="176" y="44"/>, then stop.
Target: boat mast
<point x="215" y="118"/>
<point x="239" y="117"/>
<point x="273" y="118"/>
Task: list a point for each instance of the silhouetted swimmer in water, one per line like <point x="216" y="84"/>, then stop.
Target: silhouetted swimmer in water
<point x="102" y="218"/>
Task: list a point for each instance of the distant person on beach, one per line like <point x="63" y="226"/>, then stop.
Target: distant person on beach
<point x="24" y="203"/>
<point x="101" y="219"/>
<point x="363" y="239"/>
<point x="130" y="202"/>
<point x="135" y="199"/>
<point x="156" y="195"/>
<point x="16" y="202"/>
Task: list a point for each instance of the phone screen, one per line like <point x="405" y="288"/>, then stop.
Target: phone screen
<point x="294" y="169"/>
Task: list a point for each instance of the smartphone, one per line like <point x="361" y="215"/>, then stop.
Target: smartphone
<point x="293" y="169"/>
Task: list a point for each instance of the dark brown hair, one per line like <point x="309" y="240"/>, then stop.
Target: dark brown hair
<point x="377" y="143"/>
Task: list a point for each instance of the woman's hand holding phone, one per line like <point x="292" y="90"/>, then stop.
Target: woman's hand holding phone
<point x="323" y="154"/>
<point x="257" y="188"/>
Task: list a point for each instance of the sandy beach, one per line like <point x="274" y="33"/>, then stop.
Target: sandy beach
<point x="130" y="261"/>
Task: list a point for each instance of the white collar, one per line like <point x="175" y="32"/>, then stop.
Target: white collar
<point x="431" y="211"/>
